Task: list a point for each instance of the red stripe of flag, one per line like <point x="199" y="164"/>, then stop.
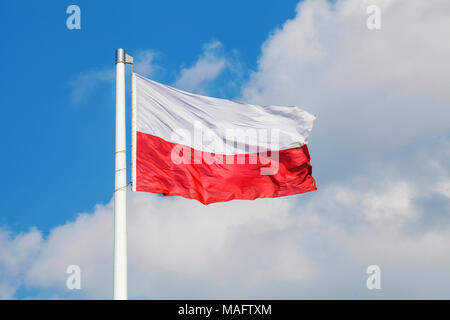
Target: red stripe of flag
<point x="216" y="182"/>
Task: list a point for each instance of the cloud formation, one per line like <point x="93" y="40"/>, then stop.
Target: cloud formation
<point x="373" y="91"/>
<point x="83" y="85"/>
<point x="309" y="247"/>
<point x="380" y="153"/>
<point x="211" y="64"/>
<point x="144" y="63"/>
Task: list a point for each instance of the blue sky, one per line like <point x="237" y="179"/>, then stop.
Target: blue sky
<point x="59" y="153"/>
<point x="380" y="149"/>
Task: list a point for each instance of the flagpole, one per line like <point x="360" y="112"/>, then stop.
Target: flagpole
<point x="120" y="191"/>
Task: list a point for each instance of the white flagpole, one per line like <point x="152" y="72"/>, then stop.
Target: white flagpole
<point x="120" y="191"/>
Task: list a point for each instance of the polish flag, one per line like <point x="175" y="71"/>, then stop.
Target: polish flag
<point x="214" y="150"/>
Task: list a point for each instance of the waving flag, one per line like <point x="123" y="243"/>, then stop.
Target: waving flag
<point x="215" y="150"/>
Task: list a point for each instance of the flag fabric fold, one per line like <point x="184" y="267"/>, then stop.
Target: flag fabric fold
<point x="215" y="150"/>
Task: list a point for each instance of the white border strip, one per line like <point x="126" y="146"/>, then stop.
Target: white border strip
<point x="133" y="131"/>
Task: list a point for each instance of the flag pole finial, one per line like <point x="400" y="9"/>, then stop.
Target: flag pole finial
<point x="123" y="57"/>
<point x="120" y="55"/>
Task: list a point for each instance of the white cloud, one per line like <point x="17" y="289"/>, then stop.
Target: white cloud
<point x="206" y="68"/>
<point x="443" y="188"/>
<point x="382" y="102"/>
<point x="392" y="203"/>
<point x="7" y="291"/>
<point x="294" y="247"/>
<point x="168" y="247"/>
<point x="373" y="91"/>
<point x="84" y="84"/>
<point x="144" y="63"/>
<point x="16" y="254"/>
<point x="211" y="63"/>
<point x="86" y="242"/>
